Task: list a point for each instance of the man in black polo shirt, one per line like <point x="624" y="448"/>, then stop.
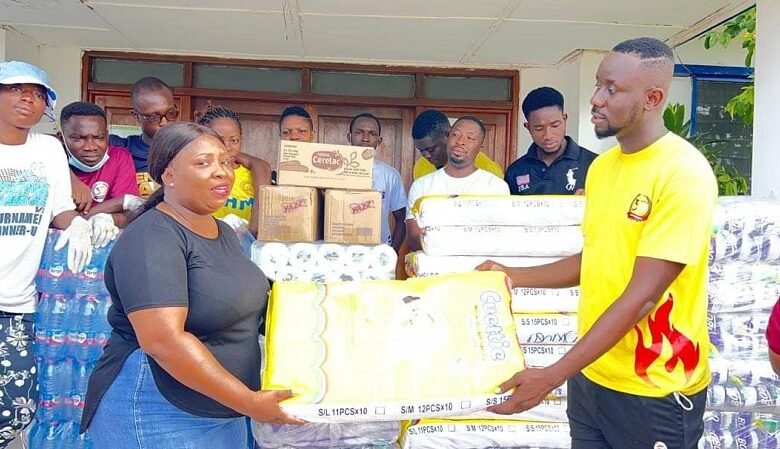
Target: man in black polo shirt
<point x="554" y="163"/>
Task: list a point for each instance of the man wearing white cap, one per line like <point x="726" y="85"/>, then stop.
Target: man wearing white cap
<point x="34" y="193"/>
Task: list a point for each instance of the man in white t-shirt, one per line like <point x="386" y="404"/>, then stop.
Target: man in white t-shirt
<point x="34" y="192"/>
<point x="459" y="176"/>
<point x="366" y="131"/>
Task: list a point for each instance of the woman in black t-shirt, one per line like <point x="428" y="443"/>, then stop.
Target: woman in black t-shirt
<point x="183" y="363"/>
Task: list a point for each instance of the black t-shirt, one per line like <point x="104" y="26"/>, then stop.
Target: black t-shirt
<point x="530" y="176"/>
<point x="137" y="148"/>
<point x="157" y="262"/>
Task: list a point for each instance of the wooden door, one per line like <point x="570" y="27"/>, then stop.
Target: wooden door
<point x="397" y="150"/>
<point x="259" y="124"/>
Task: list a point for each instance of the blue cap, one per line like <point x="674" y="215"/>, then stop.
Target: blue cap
<point x="18" y="72"/>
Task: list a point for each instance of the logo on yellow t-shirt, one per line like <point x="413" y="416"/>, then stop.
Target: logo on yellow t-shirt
<point x="640" y="208"/>
<point x="660" y="328"/>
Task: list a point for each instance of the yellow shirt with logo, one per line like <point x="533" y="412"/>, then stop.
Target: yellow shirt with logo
<point x="655" y="203"/>
<point x="423" y="167"/>
<point x="242" y="196"/>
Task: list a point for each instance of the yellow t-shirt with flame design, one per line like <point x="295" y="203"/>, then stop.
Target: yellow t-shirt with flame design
<point x="655" y="203"/>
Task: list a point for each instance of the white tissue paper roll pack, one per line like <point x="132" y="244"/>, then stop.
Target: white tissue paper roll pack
<point x="420" y="264"/>
<point x="508" y="210"/>
<point x="324" y="262"/>
<point x="331" y="255"/>
<point x="545" y="300"/>
<point x="549" y="241"/>
<point x="303" y="255"/>
<point x="485" y="434"/>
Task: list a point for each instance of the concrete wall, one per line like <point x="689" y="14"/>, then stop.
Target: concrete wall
<point x="63" y="64"/>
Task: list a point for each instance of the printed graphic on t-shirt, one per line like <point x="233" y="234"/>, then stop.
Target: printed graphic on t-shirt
<point x="571" y="181"/>
<point x="660" y="328"/>
<point x="99" y="191"/>
<point x="523" y="182"/>
<point x="640" y="208"/>
<point x="146" y="185"/>
<point x="23" y="196"/>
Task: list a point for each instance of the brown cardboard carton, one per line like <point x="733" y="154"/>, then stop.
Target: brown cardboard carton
<point x="325" y="165"/>
<point x="288" y="214"/>
<point x="353" y="217"/>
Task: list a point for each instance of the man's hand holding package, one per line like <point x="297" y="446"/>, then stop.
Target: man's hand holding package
<point x="531" y="386"/>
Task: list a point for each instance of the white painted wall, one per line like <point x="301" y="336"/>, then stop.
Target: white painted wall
<point x="562" y="78"/>
<point x="20" y="48"/>
<point x="766" y="157"/>
<point x="63" y="64"/>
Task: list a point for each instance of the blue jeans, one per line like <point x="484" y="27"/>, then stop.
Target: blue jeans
<point x="134" y="415"/>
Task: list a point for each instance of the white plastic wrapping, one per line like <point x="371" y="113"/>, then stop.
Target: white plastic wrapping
<point x="539" y="356"/>
<point x="324" y="262"/>
<point x="549" y="241"/>
<point x="725" y="430"/>
<point x="546" y="329"/>
<point x="510" y="210"/>
<point x="486" y="434"/>
<point x="545" y="300"/>
<point x="420" y="264"/>
<point x="746" y="229"/>
<point x="375" y="435"/>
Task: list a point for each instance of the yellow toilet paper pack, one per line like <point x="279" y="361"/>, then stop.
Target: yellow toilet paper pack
<point x="389" y="350"/>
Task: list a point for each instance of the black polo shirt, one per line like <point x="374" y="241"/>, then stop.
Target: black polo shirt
<point x="530" y="176"/>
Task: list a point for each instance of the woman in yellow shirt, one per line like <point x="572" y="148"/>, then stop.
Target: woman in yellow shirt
<point x="250" y="172"/>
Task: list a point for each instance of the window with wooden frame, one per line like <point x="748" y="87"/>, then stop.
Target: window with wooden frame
<point x="332" y="93"/>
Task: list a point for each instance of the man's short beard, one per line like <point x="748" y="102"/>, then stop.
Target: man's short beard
<point x="458" y="163"/>
<point x="609" y="132"/>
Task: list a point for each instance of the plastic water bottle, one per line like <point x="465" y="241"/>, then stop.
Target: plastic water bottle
<point x="53" y="274"/>
<point x="81" y="373"/>
<point x="68" y="435"/>
<point x="87" y="347"/>
<point x="51" y="344"/>
<point x="104" y="304"/>
<point x="88" y="312"/>
<point x="89" y="281"/>
<point x="49" y="408"/>
<point x="43" y="435"/>
<point x="55" y="377"/>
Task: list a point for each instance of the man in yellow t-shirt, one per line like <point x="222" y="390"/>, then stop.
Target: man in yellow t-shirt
<point x="638" y="376"/>
<point x="429" y="132"/>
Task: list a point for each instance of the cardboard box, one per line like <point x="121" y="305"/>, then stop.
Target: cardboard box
<point x="353" y="217"/>
<point x="288" y="214"/>
<point x="324" y="165"/>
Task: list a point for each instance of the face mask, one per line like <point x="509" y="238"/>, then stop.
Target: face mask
<point x="78" y="165"/>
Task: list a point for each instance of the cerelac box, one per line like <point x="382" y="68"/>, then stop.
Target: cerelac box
<point x="288" y="214"/>
<point x="353" y="217"/>
<point x="325" y="165"/>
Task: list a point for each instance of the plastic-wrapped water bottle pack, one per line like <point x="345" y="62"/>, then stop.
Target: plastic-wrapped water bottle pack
<point x="70" y="332"/>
